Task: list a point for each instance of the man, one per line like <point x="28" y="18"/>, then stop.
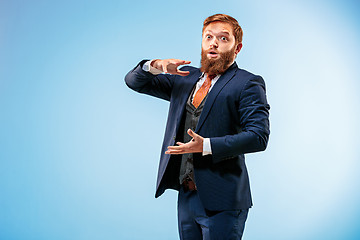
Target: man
<point x="217" y="114"/>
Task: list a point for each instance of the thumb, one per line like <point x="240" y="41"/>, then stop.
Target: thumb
<point x="192" y="133"/>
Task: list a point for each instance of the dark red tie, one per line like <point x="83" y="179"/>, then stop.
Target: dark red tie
<point x="203" y="90"/>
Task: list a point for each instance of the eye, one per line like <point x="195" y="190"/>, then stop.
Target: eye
<point x="207" y="36"/>
<point x="223" y="38"/>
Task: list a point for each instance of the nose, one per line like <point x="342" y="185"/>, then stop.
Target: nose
<point x="214" y="43"/>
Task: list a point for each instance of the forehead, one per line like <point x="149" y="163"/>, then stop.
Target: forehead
<point x="219" y="27"/>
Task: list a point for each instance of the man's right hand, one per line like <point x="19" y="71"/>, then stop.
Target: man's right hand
<point x="170" y="66"/>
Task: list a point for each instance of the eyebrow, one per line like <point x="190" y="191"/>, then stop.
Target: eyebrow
<point x="221" y="32"/>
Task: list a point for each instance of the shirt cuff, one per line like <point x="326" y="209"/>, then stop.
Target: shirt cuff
<point x="206" y="147"/>
<point x="148" y="68"/>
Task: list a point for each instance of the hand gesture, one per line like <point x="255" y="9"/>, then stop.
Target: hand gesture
<point x="193" y="146"/>
<point x="170" y="66"/>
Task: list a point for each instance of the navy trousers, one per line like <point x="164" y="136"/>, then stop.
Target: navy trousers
<point x="197" y="223"/>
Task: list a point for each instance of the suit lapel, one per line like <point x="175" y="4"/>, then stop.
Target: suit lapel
<point x="219" y="85"/>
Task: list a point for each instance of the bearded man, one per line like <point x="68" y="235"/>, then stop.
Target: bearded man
<point x="217" y="114"/>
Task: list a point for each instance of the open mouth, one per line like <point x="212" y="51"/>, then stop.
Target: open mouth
<point x="212" y="54"/>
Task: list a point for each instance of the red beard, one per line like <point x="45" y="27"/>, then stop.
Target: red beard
<point x="216" y="66"/>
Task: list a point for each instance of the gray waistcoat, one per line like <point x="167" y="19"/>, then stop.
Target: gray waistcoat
<point x="191" y="119"/>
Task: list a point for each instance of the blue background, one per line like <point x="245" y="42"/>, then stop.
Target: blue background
<point x="79" y="150"/>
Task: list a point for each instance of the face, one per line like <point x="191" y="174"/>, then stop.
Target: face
<point x="218" y="48"/>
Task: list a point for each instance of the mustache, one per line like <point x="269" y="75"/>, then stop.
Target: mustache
<point x="211" y="50"/>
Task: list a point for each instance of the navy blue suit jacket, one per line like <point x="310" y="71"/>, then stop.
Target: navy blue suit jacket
<point x="236" y="119"/>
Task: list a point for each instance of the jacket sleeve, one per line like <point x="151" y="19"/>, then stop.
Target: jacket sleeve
<point x="253" y="113"/>
<point x="159" y="86"/>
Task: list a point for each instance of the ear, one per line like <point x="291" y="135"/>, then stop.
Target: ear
<point x="238" y="48"/>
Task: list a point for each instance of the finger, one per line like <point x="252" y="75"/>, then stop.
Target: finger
<point x="182" y="73"/>
<point x="179" y="151"/>
<point x="174" y="152"/>
<point x="182" y="62"/>
<point x="180" y="143"/>
<point x="176" y="147"/>
<point x="164" y="66"/>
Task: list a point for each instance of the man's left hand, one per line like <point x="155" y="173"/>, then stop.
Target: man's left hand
<point x="195" y="145"/>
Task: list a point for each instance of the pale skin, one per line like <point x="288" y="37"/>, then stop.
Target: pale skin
<point x="217" y="38"/>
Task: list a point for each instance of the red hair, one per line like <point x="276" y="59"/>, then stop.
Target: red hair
<point x="237" y="30"/>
